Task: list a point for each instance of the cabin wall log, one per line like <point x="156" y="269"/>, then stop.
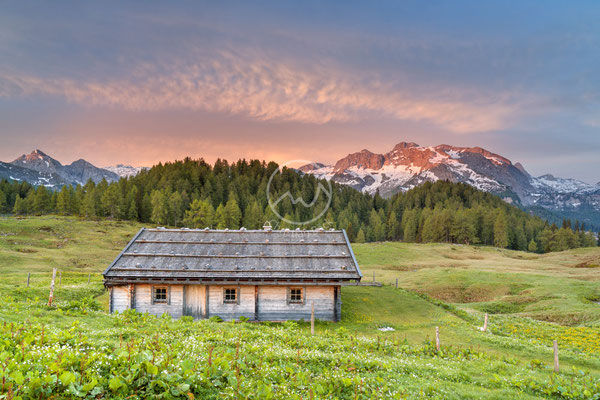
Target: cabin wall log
<point x="143" y="301"/>
<point x="244" y="307"/>
<point x="256" y="302"/>
<point x="273" y="305"/>
<point x="120" y="298"/>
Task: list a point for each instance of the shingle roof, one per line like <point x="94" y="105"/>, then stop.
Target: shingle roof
<point x="236" y="254"/>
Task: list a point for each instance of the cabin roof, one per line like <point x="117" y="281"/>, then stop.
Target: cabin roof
<point x="229" y="255"/>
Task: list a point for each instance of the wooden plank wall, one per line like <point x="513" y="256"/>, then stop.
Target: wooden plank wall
<point x="230" y="311"/>
<point x="143" y="301"/>
<point x="272" y="304"/>
<point x="121" y="299"/>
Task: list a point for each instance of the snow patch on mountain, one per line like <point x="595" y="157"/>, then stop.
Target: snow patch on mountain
<point x="125" y="171"/>
<point x="562" y="185"/>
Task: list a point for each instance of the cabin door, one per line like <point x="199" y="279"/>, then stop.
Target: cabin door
<point x="194" y="300"/>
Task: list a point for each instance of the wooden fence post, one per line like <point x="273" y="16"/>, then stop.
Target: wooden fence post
<point x="485" y="322"/>
<point x="28" y="277"/>
<point x="52" y="287"/>
<point x="437" y="338"/>
<point x="373" y="276"/>
<point x="89" y="277"/>
<point x="312" y="317"/>
<point x="60" y="278"/>
<point x="556" y="366"/>
<point x="396" y="283"/>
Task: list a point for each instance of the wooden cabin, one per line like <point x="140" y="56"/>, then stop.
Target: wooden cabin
<point x="263" y="275"/>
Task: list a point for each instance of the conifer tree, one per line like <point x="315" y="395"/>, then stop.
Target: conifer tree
<point x="41" y="201"/>
<point x="3" y="202"/>
<point x="160" y="210"/>
<point x="29" y="200"/>
<point x="393" y="226"/>
<point x="20" y="207"/>
<point x="360" y="236"/>
<point x="220" y="217"/>
<point x="501" y="231"/>
<point x="463" y="230"/>
<point x="410" y="225"/>
<point x="532" y="246"/>
<point x="546" y="239"/>
<point x="132" y="211"/>
<point x="175" y="208"/>
<point x="253" y="219"/>
<point x="111" y="198"/>
<point x="233" y="214"/>
<point x="132" y="204"/>
<point x="377" y="226"/>
<point x="200" y="215"/>
<point x="63" y="205"/>
<point x="88" y="208"/>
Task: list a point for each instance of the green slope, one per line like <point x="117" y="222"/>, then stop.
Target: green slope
<point x="440" y="286"/>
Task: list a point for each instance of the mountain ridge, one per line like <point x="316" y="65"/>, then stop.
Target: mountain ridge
<point x="38" y="168"/>
<point x="408" y="165"/>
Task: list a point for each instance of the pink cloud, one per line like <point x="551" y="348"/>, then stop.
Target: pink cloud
<point x="272" y="90"/>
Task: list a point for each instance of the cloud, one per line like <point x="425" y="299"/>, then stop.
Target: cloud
<point x="267" y="89"/>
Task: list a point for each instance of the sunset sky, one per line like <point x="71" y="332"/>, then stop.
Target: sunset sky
<point x="143" y="82"/>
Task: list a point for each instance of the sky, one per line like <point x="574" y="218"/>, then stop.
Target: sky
<point x="143" y="82"/>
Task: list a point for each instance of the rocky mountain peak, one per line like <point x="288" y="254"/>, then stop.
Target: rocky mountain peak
<point x="362" y="159"/>
<point x="78" y="172"/>
<point x="404" y="145"/>
<point x="39" y="161"/>
<point x="521" y="168"/>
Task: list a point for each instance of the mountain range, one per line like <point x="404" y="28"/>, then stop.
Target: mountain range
<point x="408" y="165"/>
<point x="38" y="168"/>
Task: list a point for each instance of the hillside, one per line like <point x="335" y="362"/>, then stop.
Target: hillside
<point x="440" y="285"/>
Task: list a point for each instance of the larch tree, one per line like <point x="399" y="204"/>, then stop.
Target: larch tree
<point x="175" y="203"/>
<point x="200" y="215"/>
<point x="501" y="231"/>
<point x="233" y="214"/>
<point x="220" y="217"/>
<point x="160" y="209"/>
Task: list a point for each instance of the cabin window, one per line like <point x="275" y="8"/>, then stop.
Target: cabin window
<point x="160" y="295"/>
<point x="230" y="295"/>
<point x="296" y="296"/>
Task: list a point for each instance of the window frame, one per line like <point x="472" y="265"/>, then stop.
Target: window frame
<point x="302" y="293"/>
<point x="167" y="300"/>
<point x="237" y="295"/>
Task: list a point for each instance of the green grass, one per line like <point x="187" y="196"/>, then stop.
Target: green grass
<point x="443" y="286"/>
<point x="555" y="287"/>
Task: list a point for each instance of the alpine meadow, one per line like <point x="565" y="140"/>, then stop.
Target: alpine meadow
<point x="299" y="200"/>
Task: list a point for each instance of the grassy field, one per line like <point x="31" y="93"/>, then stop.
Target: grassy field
<point x="559" y="287"/>
<point x="531" y="299"/>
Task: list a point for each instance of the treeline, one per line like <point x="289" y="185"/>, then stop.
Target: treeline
<point x="194" y="194"/>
